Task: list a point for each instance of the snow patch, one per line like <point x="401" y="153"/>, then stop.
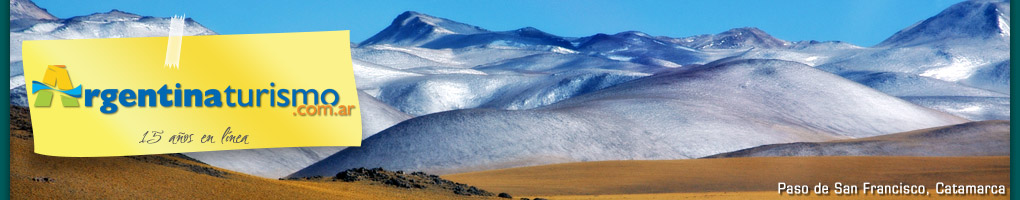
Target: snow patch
<point x="960" y="68"/>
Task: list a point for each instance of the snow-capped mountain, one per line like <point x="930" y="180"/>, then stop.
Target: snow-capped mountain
<point x="25" y="9"/>
<point x="415" y="29"/>
<point x="951" y="46"/>
<point x="421" y="30"/>
<point x="964" y="46"/>
<point x="968" y="20"/>
<point x="685" y="113"/>
<point x="25" y="13"/>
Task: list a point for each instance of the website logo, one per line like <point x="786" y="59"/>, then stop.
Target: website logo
<point x="237" y="92"/>
<point x="56" y="80"/>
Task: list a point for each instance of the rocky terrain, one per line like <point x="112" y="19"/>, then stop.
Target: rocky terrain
<point x="413" y="180"/>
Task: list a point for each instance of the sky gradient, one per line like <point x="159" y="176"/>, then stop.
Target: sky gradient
<point x="861" y="22"/>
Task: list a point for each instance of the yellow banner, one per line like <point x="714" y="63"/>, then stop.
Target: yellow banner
<point x="115" y="97"/>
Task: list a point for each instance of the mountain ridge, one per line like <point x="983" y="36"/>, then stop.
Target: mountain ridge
<point x="965" y="20"/>
<point x="412" y="28"/>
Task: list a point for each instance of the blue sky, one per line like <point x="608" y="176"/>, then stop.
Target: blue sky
<point x="862" y="22"/>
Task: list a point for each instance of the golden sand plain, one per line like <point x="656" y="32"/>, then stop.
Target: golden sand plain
<point x="736" y="178"/>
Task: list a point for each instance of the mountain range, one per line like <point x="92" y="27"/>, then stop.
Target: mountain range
<point x="690" y="112"/>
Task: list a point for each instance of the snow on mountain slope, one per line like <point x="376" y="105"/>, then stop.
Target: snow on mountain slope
<point x="19" y="96"/>
<point x="553" y="62"/>
<point x="688" y="113"/>
<point x="279" y="162"/>
<point x="950" y="61"/>
<point x="812" y="52"/>
<point x="560" y="86"/>
<point x="17" y="81"/>
<point x="445" y="70"/>
<point x="443" y="92"/>
<point x="436" y="93"/>
<point x="405" y="57"/>
<point x="995" y="77"/>
<point x="527" y="37"/>
<point x="626" y="46"/>
<point x="984" y="138"/>
<point x="902" y="84"/>
<point x="368" y="76"/>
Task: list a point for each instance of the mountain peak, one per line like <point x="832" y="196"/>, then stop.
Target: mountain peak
<point x="111" y="16"/>
<point x="532" y="32"/>
<point x="745" y="30"/>
<point x="409" y="13"/>
<point x="633" y="34"/>
<point x="26" y="9"/>
<point x="968" y="19"/>
<point x="412" y="28"/>
<point x="409" y="17"/>
<point x="606" y="42"/>
<point x="529" y="30"/>
<point x="746" y="37"/>
<point x="119" y="12"/>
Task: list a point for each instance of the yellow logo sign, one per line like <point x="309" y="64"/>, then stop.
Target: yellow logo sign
<point x="231" y="92"/>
